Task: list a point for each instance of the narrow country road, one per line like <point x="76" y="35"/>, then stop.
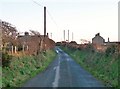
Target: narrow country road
<point x="64" y="72"/>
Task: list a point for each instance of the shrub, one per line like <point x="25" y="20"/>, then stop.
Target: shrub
<point x="110" y="50"/>
<point x="6" y="59"/>
<point x="90" y="48"/>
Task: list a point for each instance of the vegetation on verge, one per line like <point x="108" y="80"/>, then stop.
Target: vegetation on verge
<point x="20" y="69"/>
<point x="0" y="77"/>
<point x="103" y="65"/>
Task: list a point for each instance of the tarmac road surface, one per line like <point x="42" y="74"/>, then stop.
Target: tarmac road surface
<point x="63" y="72"/>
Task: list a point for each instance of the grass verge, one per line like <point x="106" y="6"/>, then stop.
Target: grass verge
<point x="23" y="68"/>
<point x="104" y="68"/>
<point x="0" y="77"/>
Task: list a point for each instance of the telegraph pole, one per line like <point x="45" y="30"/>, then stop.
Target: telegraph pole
<point x="119" y="21"/>
<point x="44" y="28"/>
<point x="72" y="36"/>
<point x="44" y="21"/>
<point x="51" y="35"/>
<point x="68" y="35"/>
<point x="64" y="35"/>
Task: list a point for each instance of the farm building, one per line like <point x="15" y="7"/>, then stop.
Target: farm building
<point x="100" y="44"/>
<point x="12" y="42"/>
<point x="98" y="39"/>
<point x="35" y="43"/>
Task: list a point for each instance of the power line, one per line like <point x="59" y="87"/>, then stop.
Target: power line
<point x="47" y="12"/>
<point x="52" y="18"/>
<point x="40" y="6"/>
<point x="37" y="3"/>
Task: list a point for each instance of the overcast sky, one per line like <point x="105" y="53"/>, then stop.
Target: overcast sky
<point x="84" y="18"/>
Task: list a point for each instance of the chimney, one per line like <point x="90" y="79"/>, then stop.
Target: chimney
<point x="47" y="35"/>
<point x="98" y="34"/>
<point x="108" y="40"/>
<point x="26" y="33"/>
<point x="44" y="21"/>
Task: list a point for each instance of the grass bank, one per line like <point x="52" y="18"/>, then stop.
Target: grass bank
<point x="0" y="77"/>
<point x="23" y="68"/>
<point x="103" y="67"/>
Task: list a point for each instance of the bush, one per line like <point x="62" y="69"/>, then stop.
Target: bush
<point x="89" y="48"/>
<point x="6" y="59"/>
<point x="110" y="50"/>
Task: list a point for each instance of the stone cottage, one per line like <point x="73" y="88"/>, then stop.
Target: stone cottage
<point x="98" y="40"/>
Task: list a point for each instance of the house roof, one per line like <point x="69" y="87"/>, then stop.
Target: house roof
<point x="98" y="36"/>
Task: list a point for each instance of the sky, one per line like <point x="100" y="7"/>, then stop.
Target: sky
<point x="84" y="18"/>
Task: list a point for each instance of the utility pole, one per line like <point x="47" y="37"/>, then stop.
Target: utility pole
<point x="68" y="35"/>
<point x="44" y="21"/>
<point x="64" y="35"/>
<point x="44" y="29"/>
<point x="51" y="35"/>
<point x="119" y="21"/>
<point x="72" y="36"/>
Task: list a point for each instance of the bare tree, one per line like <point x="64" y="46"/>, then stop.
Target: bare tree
<point x="9" y="33"/>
